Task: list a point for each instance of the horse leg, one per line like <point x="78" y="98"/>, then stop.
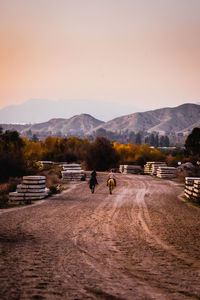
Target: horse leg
<point x="110" y="188"/>
<point x="92" y="189"/>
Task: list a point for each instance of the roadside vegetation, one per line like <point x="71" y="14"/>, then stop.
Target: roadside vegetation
<point x="19" y="156"/>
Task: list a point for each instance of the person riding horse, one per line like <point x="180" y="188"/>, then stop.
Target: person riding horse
<point x="111" y="175"/>
<point x="93" y="180"/>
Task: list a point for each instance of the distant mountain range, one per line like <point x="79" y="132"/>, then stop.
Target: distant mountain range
<point x="42" y="110"/>
<point x="166" y="121"/>
<point x="79" y="125"/>
<point x="180" y="119"/>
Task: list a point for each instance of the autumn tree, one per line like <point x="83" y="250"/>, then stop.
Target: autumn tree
<point x="33" y="151"/>
<point x="101" y="155"/>
<point x="137" y="154"/>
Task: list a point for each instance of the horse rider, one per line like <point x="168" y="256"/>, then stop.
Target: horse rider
<point x="93" y="179"/>
<point x="111" y="175"/>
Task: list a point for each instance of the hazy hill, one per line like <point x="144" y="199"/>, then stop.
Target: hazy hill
<point x="180" y="119"/>
<point x="41" y="110"/>
<point x="78" y="125"/>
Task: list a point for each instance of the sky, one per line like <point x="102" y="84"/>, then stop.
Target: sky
<point x="144" y="53"/>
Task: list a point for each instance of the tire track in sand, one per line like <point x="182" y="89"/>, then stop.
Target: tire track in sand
<point x="106" y="218"/>
<point x="144" y="218"/>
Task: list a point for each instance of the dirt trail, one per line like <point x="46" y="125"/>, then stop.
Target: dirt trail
<point x="142" y="242"/>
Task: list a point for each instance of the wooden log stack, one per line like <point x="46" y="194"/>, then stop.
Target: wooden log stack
<point x="46" y="163"/>
<point x="196" y="192"/>
<point x="121" y="168"/>
<point x="166" y="172"/>
<point x="72" y="172"/>
<point x="156" y="166"/>
<point x="192" y="188"/>
<point x="31" y="188"/>
<point x="131" y="169"/>
<point x="152" y="166"/>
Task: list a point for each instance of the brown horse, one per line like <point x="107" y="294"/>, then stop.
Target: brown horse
<point x="111" y="185"/>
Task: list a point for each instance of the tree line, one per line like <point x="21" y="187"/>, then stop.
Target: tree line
<point x="122" y="137"/>
<point x="19" y="154"/>
<point x="139" y="138"/>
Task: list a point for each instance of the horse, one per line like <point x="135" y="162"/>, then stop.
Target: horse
<point x="111" y="185"/>
<point x="92" y="184"/>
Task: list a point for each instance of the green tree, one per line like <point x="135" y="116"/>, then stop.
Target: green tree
<point x="35" y="138"/>
<point x="162" y="141"/>
<point x="166" y="141"/>
<point x="156" y="140"/>
<point x="146" y="140"/>
<point x="192" y="143"/>
<point x="138" y="139"/>
<point x="152" y="139"/>
<point x="12" y="162"/>
<point x="101" y="155"/>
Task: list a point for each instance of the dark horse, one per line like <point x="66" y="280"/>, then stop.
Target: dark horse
<point x="93" y="181"/>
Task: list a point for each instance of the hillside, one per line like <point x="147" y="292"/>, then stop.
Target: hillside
<point x="78" y="125"/>
<point x="180" y="119"/>
<point x="166" y="121"/>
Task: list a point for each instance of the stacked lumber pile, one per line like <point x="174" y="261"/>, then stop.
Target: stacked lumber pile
<point x="152" y="166"/>
<point x="31" y="188"/>
<point x="45" y="163"/>
<point x="121" y="168"/>
<point x="166" y="172"/>
<point x="156" y="166"/>
<point x="192" y="188"/>
<point x="148" y="168"/>
<point x="72" y="172"/>
<point x="131" y="169"/>
<point x="196" y="193"/>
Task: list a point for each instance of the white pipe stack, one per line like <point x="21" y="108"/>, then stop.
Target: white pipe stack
<point x="32" y="188"/>
<point x="72" y="172"/>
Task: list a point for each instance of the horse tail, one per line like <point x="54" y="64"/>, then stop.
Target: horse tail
<point x="111" y="184"/>
<point x="111" y="181"/>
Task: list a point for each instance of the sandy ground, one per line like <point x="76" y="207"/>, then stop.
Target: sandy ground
<point x="141" y="242"/>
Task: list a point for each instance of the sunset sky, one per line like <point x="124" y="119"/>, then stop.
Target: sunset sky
<point x="140" y="52"/>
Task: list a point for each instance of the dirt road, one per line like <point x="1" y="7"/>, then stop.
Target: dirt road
<point x="142" y="242"/>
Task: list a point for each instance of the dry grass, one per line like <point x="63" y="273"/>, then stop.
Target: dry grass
<point x="53" y="178"/>
<point x="53" y="182"/>
<point x="53" y="175"/>
<point x="6" y="188"/>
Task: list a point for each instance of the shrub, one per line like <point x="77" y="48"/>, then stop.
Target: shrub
<point x="6" y="188"/>
<point x="53" y="189"/>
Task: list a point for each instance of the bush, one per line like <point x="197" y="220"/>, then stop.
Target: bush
<point x="83" y="178"/>
<point x="6" y="188"/>
<point x="53" y="189"/>
<point x="52" y="175"/>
